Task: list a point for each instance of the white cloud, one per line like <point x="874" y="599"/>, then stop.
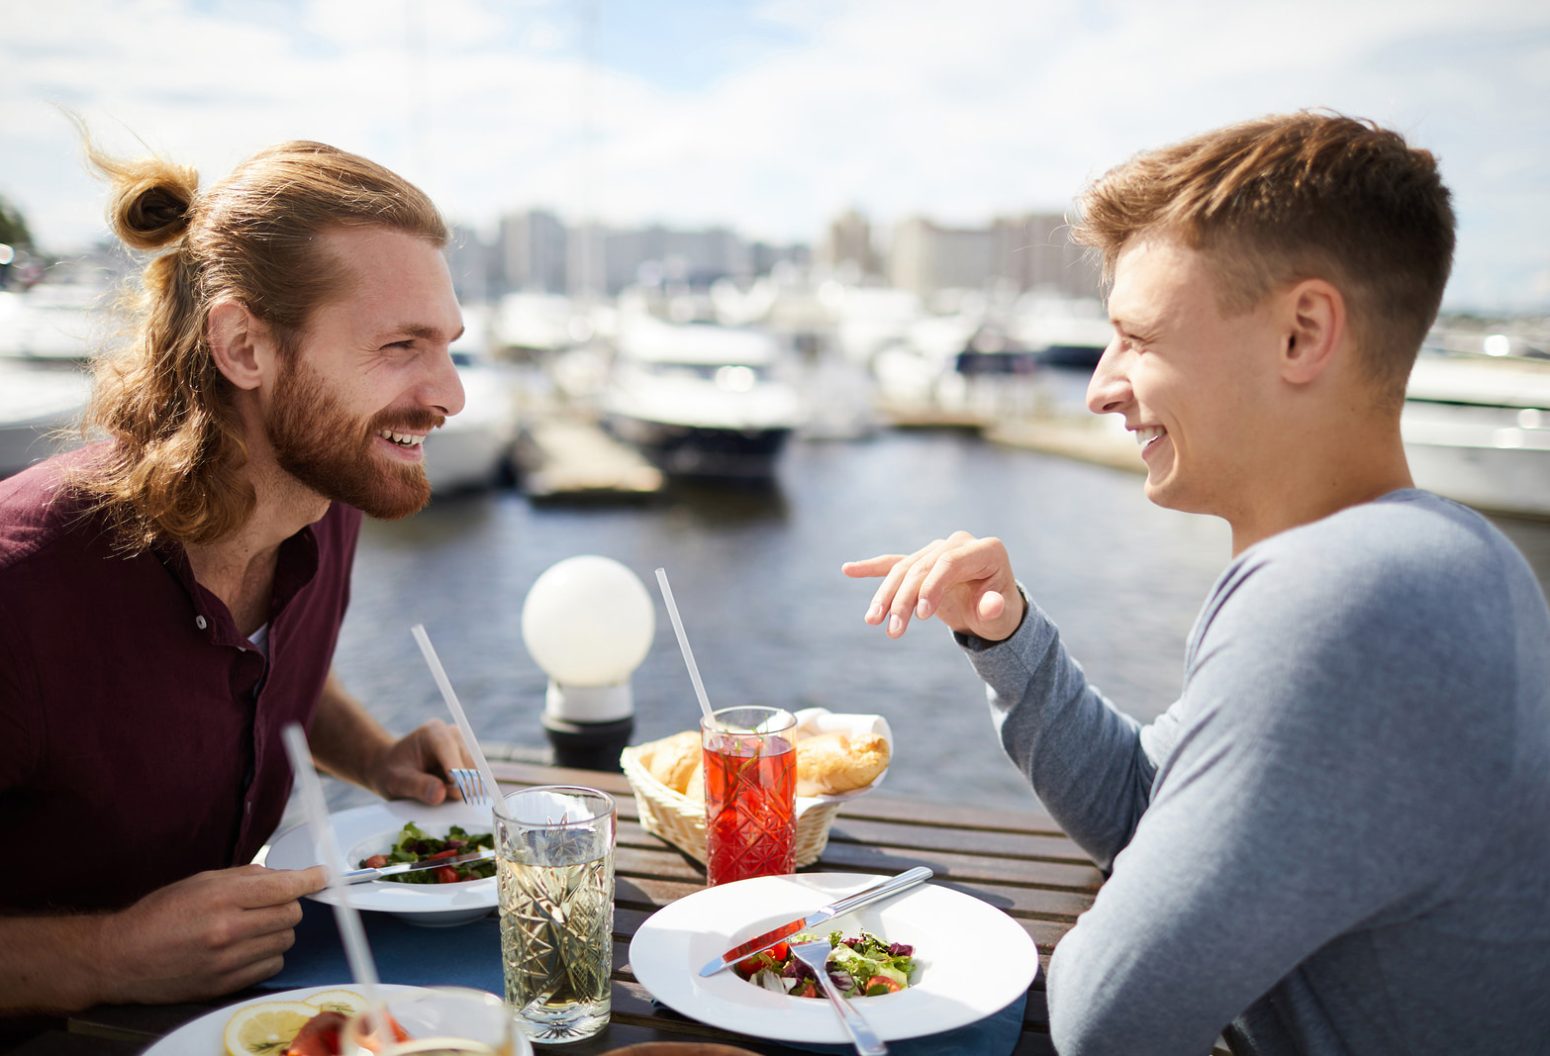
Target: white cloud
<point x="898" y="107"/>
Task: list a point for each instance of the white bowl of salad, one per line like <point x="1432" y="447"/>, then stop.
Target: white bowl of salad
<point x="363" y="832"/>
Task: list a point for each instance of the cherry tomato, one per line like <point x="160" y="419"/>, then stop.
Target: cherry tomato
<point x="881" y="984"/>
<point x="448" y="853"/>
<point x="376" y="861"/>
<point x="319" y="1036"/>
<point x="780" y="951"/>
<point x="445" y="875"/>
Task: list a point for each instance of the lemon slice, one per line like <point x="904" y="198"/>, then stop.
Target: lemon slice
<point x="345" y="1001"/>
<point x="266" y="1028"/>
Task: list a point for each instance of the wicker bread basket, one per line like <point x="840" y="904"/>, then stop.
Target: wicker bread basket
<point x="681" y="821"/>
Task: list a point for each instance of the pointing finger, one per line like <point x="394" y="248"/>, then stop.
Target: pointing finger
<point x="872" y="566"/>
<point x="884" y="598"/>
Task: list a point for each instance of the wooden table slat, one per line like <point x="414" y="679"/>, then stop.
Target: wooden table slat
<point x="639" y="851"/>
<point x="880" y="807"/>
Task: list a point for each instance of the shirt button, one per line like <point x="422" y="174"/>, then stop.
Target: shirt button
<point x="200" y="622"/>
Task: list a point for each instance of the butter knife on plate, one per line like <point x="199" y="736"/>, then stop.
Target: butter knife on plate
<point x="865" y="897"/>
<point x="361" y="876"/>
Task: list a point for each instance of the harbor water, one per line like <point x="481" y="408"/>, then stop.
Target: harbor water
<point x="773" y="621"/>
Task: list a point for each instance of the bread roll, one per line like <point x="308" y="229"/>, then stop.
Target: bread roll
<point x="696" y="789"/>
<point x="675" y="760"/>
<point x="831" y="763"/>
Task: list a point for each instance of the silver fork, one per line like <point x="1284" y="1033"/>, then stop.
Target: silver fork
<point x="470" y="785"/>
<point x="816" y="956"/>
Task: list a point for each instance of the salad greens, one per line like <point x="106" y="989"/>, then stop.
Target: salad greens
<point x="413" y="845"/>
<point x="862" y="966"/>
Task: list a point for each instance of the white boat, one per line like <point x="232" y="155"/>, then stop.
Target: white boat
<point x="538" y="324"/>
<point x="473" y="449"/>
<point x="54" y="322"/>
<point x="1477" y="430"/>
<point x="700" y="399"/>
<point x="40" y="408"/>
<point x="47" y="334"/>
<point x="1067" y="334"/>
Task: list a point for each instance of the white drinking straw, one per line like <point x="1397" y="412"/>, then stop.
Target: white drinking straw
<point x="327" y="852"/>
<point x="683" y="643"/>
<point x="440" y="675"/>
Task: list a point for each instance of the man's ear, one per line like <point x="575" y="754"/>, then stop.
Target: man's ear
<point x="1314" y="322"/>
<point x="239" y="342"/>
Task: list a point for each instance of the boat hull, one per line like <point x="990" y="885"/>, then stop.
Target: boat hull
<point x="684" y="450"/>
<point x="40" y="408"/>
<point x="1495" y="459"/>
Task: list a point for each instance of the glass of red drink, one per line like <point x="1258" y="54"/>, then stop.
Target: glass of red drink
<point x="750" y="793"/>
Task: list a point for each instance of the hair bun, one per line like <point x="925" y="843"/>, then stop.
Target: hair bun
<point x="157" y="210"/>
<point x="152" y="200"/>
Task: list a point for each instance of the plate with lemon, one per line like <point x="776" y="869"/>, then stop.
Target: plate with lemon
<point x="264" y="1026"/>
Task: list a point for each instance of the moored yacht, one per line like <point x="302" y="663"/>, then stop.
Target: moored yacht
<point x="700" y="399"/>
<point x="39" y="407"/>
<point x="1477" y="430"/>
<point x="473" y="449"/>
<point x="47" y="335"/>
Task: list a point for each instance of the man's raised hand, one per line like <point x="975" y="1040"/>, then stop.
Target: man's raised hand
<point x="964" y="581"/>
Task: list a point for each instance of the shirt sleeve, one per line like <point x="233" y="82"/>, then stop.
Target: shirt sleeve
<point x="1295" y="806"/>
<point x="1087" y="761"/>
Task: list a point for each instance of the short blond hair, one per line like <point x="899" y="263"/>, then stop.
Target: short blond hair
<point x="174" y="468"/>
<point x="1289" y="197"/>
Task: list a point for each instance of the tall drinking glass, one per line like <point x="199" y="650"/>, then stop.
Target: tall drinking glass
<point x="554" y="850"/>
<point x="750" y="793"/>
<point x="446" y="1021"/>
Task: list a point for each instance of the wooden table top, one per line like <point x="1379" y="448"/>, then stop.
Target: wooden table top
<point x="1019" y="862"/>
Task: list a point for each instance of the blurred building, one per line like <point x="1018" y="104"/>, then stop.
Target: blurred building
<point x="534" y="252"/>
<point x="1027" y="252"/>
<point x="474" y="264"/>
<point x="1034" y="252"/>
<point x="765" y="257"/>
<point x="927" y="256"/>
<point x="605" y="259"/>
<point x="847" y="245"/>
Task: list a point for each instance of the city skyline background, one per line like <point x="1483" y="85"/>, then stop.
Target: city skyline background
<point x="771" y="120"/>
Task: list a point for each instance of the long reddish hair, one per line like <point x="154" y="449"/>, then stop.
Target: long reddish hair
<point x="174" y="469"/>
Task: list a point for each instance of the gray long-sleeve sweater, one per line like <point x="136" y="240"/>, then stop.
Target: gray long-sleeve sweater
<point x="1338" y="838"/>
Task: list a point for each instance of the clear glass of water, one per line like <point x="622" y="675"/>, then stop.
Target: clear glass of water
<point x="444" y="1021"/>
<point x="554" y="850"/>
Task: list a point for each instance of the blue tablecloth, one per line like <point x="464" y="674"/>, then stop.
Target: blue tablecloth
<point x="465" y="955"/>
<point x="470" y="955"/>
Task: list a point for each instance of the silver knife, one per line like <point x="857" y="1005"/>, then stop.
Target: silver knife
<point x="865" y="897"/>
<point x="361" y="876"/>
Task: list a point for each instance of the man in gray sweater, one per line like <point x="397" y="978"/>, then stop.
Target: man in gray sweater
<point x="1337" y="840"/>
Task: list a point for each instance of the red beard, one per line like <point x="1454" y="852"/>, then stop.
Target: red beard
<point x="331" y="452"/>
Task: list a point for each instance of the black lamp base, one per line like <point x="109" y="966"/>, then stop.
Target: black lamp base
<point x="588" y="745"/>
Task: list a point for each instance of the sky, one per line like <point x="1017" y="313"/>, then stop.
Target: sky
<point x="772" y="117"/>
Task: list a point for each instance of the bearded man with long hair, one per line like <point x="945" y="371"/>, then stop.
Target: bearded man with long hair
<point x="172" y="594"/>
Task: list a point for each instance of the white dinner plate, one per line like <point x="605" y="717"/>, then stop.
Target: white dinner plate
<point x="973" y="959"/>
<point x="205" y="1036"/>
<point x="363" y="831"/>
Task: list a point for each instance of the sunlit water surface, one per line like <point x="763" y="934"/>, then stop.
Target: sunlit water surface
<point x="772" y="620"/>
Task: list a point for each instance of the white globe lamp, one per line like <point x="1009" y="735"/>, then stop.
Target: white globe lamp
<point x="588" y="623"/>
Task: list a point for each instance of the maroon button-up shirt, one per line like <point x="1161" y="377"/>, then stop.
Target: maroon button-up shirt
<point x="139" y="730"/>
